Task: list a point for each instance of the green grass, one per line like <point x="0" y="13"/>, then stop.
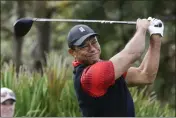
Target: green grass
<point x="53" y="94"/>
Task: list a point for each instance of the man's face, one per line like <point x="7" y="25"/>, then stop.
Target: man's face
<point x="7" y="108"/>
<point x="88" y="52"/>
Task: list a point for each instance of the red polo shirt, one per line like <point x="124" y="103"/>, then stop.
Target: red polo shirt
<point x="97" y="78"/>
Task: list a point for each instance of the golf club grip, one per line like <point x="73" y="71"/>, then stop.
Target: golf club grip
<point x="86" y="21"/>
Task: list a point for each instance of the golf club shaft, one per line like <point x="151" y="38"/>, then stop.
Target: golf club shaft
<point x="86" y="21"/>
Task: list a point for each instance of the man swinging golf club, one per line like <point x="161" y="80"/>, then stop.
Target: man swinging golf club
<point x="8" y="100"/>
<point x="101" y="85"/>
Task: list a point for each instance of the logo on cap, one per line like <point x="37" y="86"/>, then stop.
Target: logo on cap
<point x="82" y="29"/>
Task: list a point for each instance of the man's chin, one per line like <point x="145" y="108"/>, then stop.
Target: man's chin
<point x="93" y="61"/>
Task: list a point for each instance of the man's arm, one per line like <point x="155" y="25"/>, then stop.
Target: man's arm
<point x="147" y="71"/>
<point x="132" y="51"/>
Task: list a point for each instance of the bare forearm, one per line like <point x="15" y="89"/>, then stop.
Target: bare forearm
<point x="134" y="48"/>
<point x="136" y="45"/>
<point x="150" y="62"/>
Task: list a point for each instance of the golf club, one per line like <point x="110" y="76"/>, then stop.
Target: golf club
<point x="23" y="25"/>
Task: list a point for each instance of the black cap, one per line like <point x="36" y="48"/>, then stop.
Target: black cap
<point x="78" y="34"/>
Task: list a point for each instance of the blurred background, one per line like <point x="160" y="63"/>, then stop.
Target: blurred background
<point x="46" y="41"/>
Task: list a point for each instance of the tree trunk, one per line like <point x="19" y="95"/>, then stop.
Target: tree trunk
<point x="41" y="47"/>
<point x="18" y="41"/>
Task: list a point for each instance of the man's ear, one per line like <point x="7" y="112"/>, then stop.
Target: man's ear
<point x="72" y="52"/>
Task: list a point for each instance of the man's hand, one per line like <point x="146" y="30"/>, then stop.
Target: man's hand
<point x="156" y="26"/>
<point x="142" y="24"/>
